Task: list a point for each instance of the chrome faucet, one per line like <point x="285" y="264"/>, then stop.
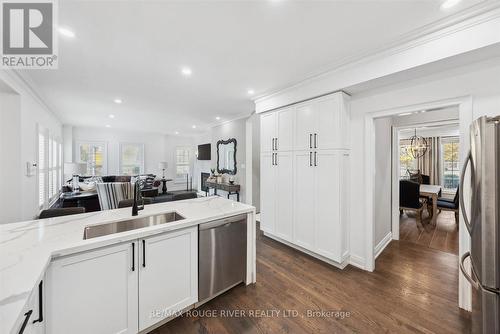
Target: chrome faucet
<point x="137" y="198"/>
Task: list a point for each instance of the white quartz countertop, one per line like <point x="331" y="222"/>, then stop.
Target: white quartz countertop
<point x="27" y="248"/>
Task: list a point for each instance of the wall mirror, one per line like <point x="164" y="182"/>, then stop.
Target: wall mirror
<point x="226" y="156"/>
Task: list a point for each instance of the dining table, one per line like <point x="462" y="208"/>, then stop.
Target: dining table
<point x="431" y="191"/>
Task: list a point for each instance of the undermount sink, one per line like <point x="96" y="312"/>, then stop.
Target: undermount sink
<point x="94" y="231"/>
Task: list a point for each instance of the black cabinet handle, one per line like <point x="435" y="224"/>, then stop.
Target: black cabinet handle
<point x="310" y="140"/>
<point x="276" y="160"/>
<point x="133" y="256"/>
<point x="27" y="316"/>
<point x="310" y="159"/>
<point x="315" y="140"/>
<point x="276" y="144"/>
<point x="40" y="303"/>
<point x="315" y="160"/>
<point x="143" y="253"/>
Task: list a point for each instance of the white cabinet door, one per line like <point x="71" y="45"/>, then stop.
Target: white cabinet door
<point x="32" y="315"/>
<point x="267" y="192"/>
<point x="285" y="129"/>
<point x="94" y="292"/>
<point x="303" y="209"/>
<point x="267" y="131"/>
<point x="168" y="275"/>
<point x="305" y="126"/>
<point x="284" y="195"/>
<point x="328" y="211"/>
<point x="328" y="130"/>
<point x="332" y="122"/>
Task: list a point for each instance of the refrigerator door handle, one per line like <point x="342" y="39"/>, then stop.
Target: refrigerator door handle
<point x="461" y="192"/>
<point x="474" y="284"/>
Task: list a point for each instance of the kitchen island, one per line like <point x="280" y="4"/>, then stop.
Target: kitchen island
<point x="40" y="257"/>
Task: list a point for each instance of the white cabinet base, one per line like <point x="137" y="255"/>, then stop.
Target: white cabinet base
<point x="341" y="265"/>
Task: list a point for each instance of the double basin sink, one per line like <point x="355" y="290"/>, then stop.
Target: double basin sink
<point x="94" y="231"/>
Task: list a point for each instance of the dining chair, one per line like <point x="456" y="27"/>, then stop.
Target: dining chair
<point x="59" y="212"/>
<point x="409" y="198"/>
<point x="447" y="204"/>
<point x="111" y="193"/>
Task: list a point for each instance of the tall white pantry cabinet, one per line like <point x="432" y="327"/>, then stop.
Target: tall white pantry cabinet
<point x="305" y="176"/>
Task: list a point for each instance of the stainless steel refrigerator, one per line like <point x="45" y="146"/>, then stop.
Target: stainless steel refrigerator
<point x="483" y="224"/>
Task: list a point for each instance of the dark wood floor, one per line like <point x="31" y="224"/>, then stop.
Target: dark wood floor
<point x="413" y="290"/>
<point x="443" y="236"/>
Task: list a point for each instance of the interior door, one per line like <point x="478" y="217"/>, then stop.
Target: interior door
<point x="267" y="131"/>
<point x="329" y="130"/>
<point x="93" y="292"/>
<point x="168" y="275"/>
<point x="284" y="195"/>
<point x="267" y="192"/>
<point x="327" y="187"/>
<point x="305" y="125"/>
<point x="285" y="129"/>
<point x="304" y="197"/>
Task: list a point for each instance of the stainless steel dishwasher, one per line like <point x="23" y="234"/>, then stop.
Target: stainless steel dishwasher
<point x="222" y="255"/>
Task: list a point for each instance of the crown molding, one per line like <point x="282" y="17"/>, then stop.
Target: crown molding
<point x="475" y="15"/>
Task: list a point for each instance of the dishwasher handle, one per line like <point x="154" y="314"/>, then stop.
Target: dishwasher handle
<point x="222" y="222"/>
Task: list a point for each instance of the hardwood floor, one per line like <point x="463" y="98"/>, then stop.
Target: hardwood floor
<point x="414" y="289"/>
<point x="443" y="236"/>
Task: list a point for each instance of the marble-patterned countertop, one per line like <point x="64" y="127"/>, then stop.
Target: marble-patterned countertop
<point x="26" y="248"/>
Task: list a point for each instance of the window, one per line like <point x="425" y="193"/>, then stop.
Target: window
<point x="49" y="167"/>
<point x="131" y="159"/>
<point x="94" y="155"/>
<point x="450" y="170"/>
<point x="406" y="160"/>
<point x="182" y="162"/>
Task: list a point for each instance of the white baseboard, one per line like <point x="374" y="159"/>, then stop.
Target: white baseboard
<point x="308" y="252"/>
<point x="357" y="261"/>
<point x="382" y="244"/>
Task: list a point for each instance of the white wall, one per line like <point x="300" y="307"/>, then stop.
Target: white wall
<point x="233" y="129"/>
<point x="157" y="148"/>
<point x="256" y="161"/>
<point x="26" y="113"/>
<point x="10" y="166"/>
<point x="481" y="81"/>
<point x="383" y="184"/>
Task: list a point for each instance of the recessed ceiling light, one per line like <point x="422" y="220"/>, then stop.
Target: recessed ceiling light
<point x="194" y="126"/>
<point x="217" y="118"/>
<point x="117" y="101"/>
<point x="108" y="126"/>
<point x="66" y="32"/>
<point x="186" y="71"/>
<point x="405" y="114"/>
<point x="176" y="132"/>
<point x="251" y="92"/>
<point x="423" y="111"/>
<point x="111" y="116"/>
<point x="449" y="3"/>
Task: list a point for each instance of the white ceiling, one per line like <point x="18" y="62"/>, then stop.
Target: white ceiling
<point x="134" y="50"/>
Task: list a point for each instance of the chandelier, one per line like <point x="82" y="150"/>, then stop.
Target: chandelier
<point x="418" y="146"/>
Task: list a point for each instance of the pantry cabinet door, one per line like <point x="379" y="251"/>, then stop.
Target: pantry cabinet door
<point x="303" y="208"/>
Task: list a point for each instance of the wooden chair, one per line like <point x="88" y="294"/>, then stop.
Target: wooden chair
<point x="409" y="198"/>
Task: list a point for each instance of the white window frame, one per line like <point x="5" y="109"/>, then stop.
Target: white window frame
<point x="141" y="166"/>
<point x="445" y="140"/>
<point x="52" y="164"/>
<point x="104" y="155"/>
<point x="182" y="179"/>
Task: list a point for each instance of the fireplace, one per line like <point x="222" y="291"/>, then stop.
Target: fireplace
<point x="204" y="177"/>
